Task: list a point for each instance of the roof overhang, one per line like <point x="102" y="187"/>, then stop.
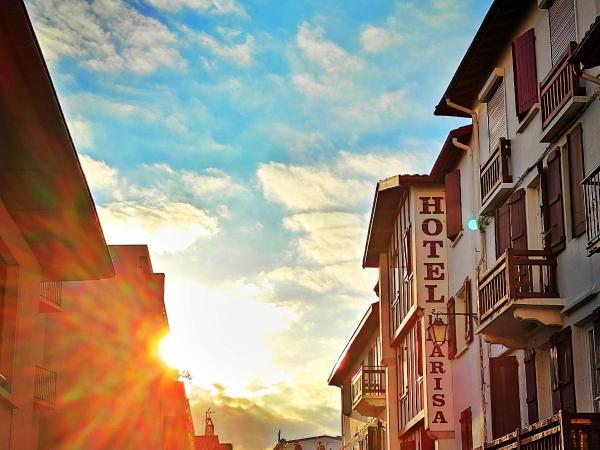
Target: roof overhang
<point x="494" y="34"/>
<point x="587" y="53"/>
<point x="41" y="180"/>
<point x="355" y="345"/>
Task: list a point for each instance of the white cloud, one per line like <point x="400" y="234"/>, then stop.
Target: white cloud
<point x="295" y="140"/>
<point x="165" y="227"/>
<point x="302" y="188"/>
<point x="81" y="132"/>
<point x="100" y="176"/>
<point x="377" y="165"/>
<point x="104" y="36"/>
<point x="216" y="7"/>
<point x="239" y="54"/>
<point x="376" y="39"/>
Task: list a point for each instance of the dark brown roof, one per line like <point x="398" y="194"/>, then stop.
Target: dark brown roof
<point x="587" y="52"/>
<point x="41" y="181"/>
<point x="450" y="155"/>
<point x="495" y="32"/>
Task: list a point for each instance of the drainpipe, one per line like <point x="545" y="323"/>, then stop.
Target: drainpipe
<point x="474" y="154"/>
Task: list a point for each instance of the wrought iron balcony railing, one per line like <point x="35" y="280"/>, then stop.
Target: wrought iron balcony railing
<point x="591" y="192"/>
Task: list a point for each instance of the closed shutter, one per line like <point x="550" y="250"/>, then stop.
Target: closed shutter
<point x="562" y="27"/>
<point x="531" y="385"/>
<point x="453" y="204"/>
<point x="502" y="229"/>
<point x="504" y="387"/>
<point x="468" y="311"/>
<point x="451" y="328"/>
<point x="525" y="73"/>
<point x="576" y="171"/>
<point x="561" y="363"/>
<point x="466" y="429"/>
<point x="496" y="109"/>
<point x="553" y="205"/>
<point x="518" y="222"/>
<point x="595" y="359"/>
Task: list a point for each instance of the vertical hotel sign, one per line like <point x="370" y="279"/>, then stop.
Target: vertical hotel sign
<point x="432" y="294"/>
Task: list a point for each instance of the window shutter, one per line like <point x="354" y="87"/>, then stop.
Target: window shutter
<point x="518" y="222"/>
<point x="504" y="387"/>
<point x="595" y="359"/>
<point x="576" y="171"/>
<point x="466" y="429"/>
<point x="453" y="204"/>
<point x="563" y="384"/>
<point x="531" y="385"/>
<point x="525" y="73"/>
<point x="496" y="109"/>
<point x="562" y="27"/>
<point x="451" y="328"/>
<point x="468" y="310"/>
<point x="553" y="204"/>
<point x="502" y="229"/>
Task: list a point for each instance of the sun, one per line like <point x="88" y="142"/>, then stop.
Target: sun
<point x="171" y="352"/>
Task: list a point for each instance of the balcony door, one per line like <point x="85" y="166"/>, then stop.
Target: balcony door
<point x="561" y="366"/>
<point x="504" y="388"/>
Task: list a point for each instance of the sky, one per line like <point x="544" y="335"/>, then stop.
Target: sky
<point x="242" y="141"/>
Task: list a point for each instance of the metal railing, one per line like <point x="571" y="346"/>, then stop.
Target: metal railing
<point x="559" y="86"/>
<point x="591" y="193"/>
<point x="45" y="386"/>
<point x="496" y="169"/>
<point x="51" y="291"/>
<point x="563" y="431"/>
<point x="517" y="274"/>
<point x="368" y="380"/>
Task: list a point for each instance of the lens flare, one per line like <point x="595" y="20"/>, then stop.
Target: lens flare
<point x="171" y="353"/>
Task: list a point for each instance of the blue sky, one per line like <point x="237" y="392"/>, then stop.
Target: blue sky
<point x="242" y="141"/>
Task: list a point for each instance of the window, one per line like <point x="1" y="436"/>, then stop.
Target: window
<point x="511" y="224"/>
<point x="496" y="110"/>
<point x="561" y="371"/>
<point x="453" y="204"/>
<point x="525" y="73"/>
<point x="531" y="386"/>
<point x="460" y="325"/>
<point x="561" y="17"/>
<point x="466" y="429"/>
<point x="594" y="346"/>
<point x="552" y="199"/>
<point x="576" y="171"/>
<point x="400" y="267"/>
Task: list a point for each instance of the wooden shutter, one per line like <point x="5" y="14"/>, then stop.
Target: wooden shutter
<point x="496" y="109"/>
<point x="504" y="387"/>
<point x="553" y="204"/>
<point x="576" y="171"/>
<point x="502" y="229"/>
<point x="468" y="310"/>
<point x="518" y="221"/>
<point x="595" y="359"/>
<point x="466" y="429"/>
<point x="525" y="73"/>
<point x="451" y="328"/>
<point x="561" y="362"/>
<point x="531" y="385"/>
<point x="453" y="204"/>
<point x="562" y="27"/>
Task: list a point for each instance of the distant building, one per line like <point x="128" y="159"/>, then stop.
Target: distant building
<point x="321" y="442"/>
<point x="209" y="440"/>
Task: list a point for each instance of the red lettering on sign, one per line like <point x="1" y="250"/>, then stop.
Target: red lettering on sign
<point x="439" y="227"/>
<point x="437" y="351"/>
<point x="433" y="248"/>
<point x="438" y="399"/>
<point x="431" y="294"/>
<point x="437" y="367"/>
<point x="438" y="384"/>
<point x="431" y="202"/>
<point x="439" y="418"/>
<point x="434" y="271"/>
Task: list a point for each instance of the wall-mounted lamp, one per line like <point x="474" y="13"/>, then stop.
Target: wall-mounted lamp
<point x="438" y="329"/>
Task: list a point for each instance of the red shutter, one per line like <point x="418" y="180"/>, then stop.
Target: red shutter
<point x="502" y="229"/>
<point x="466" y="429"/>
<point x="531" y="385"/>
<point x="518" y="221"/>
<point x="451" y="328"/>
<point x="553" y="204"/>
<point x="525" y="73"/>
<point x="504" y="387"/>
<point x="453" y="204"/>
<point x="576" y="171"/>
<point x="468" y="310"/>
<point x="563" y="383"/>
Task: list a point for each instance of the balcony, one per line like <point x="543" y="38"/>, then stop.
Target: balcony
<point x="45" y="389"/>
<point x="496" y="177"/>
<point x="591" y="193"/>
<point x="517" y="295"/>
<point x="50" y="296"/>
<point x="368" y="390"/>
<point x="561" y="96"/>
<point x="579" y="431"/>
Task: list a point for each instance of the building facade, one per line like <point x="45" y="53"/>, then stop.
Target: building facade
<point x="497" y="247"/>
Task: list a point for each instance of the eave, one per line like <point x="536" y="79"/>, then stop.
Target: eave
<point x="587" y="53"/>
<point x="41" y="180"/>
